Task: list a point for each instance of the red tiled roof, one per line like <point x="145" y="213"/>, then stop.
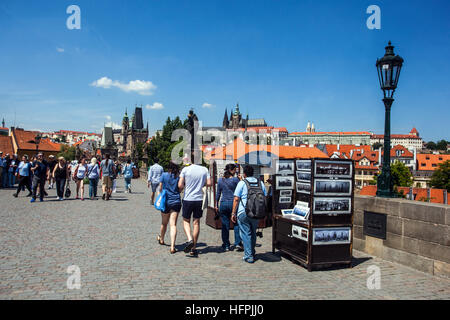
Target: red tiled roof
<point x="420" y="194"/>
<point x="414" y="130"/>
<point x="238" y="148"/>
<point x="430" y="162"/>
<point x="4" y="129"/>
<point x="406" y="153"/>
<point x="6" y="145"/>
<point x="25" y="141"/>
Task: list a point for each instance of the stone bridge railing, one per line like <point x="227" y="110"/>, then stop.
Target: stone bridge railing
<point x="417" y="233"/>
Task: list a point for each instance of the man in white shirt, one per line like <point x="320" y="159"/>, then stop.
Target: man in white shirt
<point x="192" y="179"/>
<point x="154" y="175"/>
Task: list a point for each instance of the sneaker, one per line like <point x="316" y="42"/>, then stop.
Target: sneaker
<point x="249" y="260"/>
<point x="32" y="200"/>
<point x="61" y="199"/>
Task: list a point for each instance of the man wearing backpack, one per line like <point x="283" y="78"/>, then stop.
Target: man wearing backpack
<point x="108" y="171"/>
<point x="249" y="206"/>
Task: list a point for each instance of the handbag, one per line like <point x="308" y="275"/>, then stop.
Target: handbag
<point x="68" y="192"/>
<point x="160" y="203"/>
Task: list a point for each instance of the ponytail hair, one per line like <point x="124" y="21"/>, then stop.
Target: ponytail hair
<point x="174" y="169"/>
<point x="227" y="174"/>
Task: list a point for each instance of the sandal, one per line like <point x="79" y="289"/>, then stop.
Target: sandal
<point x="172" y="251"/>
<point x="193" y="252"/>
<point x="160" y="241"/>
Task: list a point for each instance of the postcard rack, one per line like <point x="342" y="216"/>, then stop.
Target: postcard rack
<point x="313" y="211"/>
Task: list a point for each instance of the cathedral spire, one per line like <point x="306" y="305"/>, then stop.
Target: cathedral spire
<point x="225" y="119"/>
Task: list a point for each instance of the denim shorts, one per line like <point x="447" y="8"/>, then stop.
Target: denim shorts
<point x="192" y="208"/>
<point x="155" y="187"/>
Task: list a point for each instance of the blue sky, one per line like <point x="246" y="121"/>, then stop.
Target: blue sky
<point x="289" y="62"/>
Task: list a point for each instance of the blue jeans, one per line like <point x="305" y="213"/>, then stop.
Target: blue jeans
<point x="4" y="178"/>
<point x="11" y="179"/>
<point x="247" y="227"/>
<point x="127" y="183"/>
<point x="93" y="187"/>
<point x="225" y="209"/>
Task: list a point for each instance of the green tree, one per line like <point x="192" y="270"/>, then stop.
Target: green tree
<point x="67" y="152"/>
<point x="431" y="145"/>
<point x="161" y="146"/>
<point x="441" y="176"/>
<point x="401" y="175"/>
<point x="441" y="145"/>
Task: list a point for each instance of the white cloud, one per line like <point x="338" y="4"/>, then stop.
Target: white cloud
<point x="207" y="105"/>
<point x="144" y="88"/>
<point x="113" y="125"/>
<point x="155" y="106"/>
<point x="60" y="49"/>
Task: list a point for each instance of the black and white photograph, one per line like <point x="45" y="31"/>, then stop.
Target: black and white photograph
<point x="284" y="183"/>
<point x="337" y="169"/>
<point x="332" y="205"/>
<point x="332" y="187"/>
<point x="303" y="176"/>
<point x="303" y="187"/>
<point x="299" y="232"/>
<point x="285" y="193"/>
<point x="284" y="167"/>
<point x="285" y="200"/>
<point x="326" y="236"/>
<point x="304" y="165"/>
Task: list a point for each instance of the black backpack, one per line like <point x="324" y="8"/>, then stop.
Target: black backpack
<point x="256" y="200"/>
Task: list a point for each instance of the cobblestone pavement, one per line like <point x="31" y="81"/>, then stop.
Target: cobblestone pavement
<point x="114" y="245"/>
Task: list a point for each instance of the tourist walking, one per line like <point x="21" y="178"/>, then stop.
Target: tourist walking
<point x="247" y="225"/>
<point x="192" y="179"/>
<point x="107" y="171"/>
<point x="225" y="194"/>
<point x="40" y="173"/>
<point x="61" y="174"/>
<point x="51" y="164"/>
<point x="128" y="175"/>
<point x="114" y="176"/>
<point x="154" y="177"/>
<point x="12" y="171"/>
<point x="5" y="177"/>
<point x="93" y="175"/>
<point x="169" y="183"/>
<point x="79" y="175"/>
<point x="23" y="174"/>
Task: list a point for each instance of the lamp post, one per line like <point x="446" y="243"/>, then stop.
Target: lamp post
<point x="388" y="69"/>
<point x="37" y="140"/>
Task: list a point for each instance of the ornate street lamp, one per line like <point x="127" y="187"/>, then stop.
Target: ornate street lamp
<point x="388" y="69"/>
<point x="37" y="140"/>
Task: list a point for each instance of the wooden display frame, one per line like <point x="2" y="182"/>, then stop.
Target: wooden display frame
<point x="304" y="252"/>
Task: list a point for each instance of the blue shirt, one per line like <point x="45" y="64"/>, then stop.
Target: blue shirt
<point x="225" y="188"/>
<point x="170" y="184"/>
<point x="24" y="169"/>
<point x="154" y="173"/>
<point x="128" y="171"/>
<point x="242" y="192"/>
<point x="41" y="170"/>
<point x="93" y="171"/>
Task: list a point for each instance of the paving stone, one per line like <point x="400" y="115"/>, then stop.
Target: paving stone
<point x="114" y="244"/>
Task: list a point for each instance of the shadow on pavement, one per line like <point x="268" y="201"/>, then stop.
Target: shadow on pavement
<point x="268" y="257"/>
<point x="358" y="261"/>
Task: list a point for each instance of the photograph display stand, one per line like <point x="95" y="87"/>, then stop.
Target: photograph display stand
<point x="313" y="224"/>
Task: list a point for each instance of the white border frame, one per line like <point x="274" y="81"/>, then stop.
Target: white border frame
<point x="290" y="200"/>
<point x="304" y="172"/>
<point x="278" y="187"/>
<point x="284" y="172"/>
<point x="332" y="212"/>
<point x="303" y="191"/>
<point x="333" y="175"/>
<point x="286" y="190"/>
<point x="333" y="194"/>
<point x="349" y="229"/>
<point x="299" y="161"/>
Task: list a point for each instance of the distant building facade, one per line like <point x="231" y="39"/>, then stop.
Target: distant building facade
<point x="411" y="141"/>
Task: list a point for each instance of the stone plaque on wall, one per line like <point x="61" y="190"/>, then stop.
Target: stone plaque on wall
<point x="375" y="224"/>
